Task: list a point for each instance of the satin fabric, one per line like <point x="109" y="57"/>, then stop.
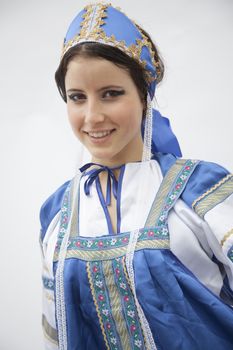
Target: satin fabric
<point x="116" y="24"/>
<point x="205" y="176"/>
<point x="181" y="312"/>
<point x="163" y="138"/>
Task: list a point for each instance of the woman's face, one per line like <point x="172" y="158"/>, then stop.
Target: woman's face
<point x="105" y="110"/>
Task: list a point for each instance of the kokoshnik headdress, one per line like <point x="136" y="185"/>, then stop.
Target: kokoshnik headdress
<point x="104" y="24"/>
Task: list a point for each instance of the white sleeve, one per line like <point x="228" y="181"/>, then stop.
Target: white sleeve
<point x="48" y="302"/>
<point x="189" y="243"/>
<point x="219" y="231"/>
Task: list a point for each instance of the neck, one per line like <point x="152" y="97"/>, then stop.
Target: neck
<point x="133" y="154"/>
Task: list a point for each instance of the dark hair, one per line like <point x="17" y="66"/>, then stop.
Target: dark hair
<point x="115" y="55"/>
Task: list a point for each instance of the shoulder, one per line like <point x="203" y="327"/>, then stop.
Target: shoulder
<point x="51" y="207"/>
<point x="209" y="185"/>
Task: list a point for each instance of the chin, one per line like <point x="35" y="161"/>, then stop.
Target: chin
<point x="105" y="157"/>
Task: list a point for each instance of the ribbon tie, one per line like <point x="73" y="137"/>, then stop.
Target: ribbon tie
<point x="93" y="176"/>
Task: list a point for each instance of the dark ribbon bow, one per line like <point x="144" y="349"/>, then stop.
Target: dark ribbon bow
<point x="93" y="175"/>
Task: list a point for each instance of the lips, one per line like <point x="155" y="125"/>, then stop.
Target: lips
<point x="99" y="134"/>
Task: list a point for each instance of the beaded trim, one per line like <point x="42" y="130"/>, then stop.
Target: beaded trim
<point x="91" y="31"/>
<point x="215" y="195"/>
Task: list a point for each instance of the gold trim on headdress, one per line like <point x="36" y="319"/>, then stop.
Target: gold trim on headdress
<point x="91" y="31"/>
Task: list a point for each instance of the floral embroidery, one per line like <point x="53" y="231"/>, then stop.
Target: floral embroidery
<point x="104" y="292"/>
<point x="121" y="240"/>
<point x="64" y="214"/>
<point x="48" y="283"/>
<point x="230" y="253"/>
<point x="131" y="313"/>
<point x="138" y="343"/>
<point x="128" y="304"/>
<point x="176" y="190"/>
<point x="89" y="243"/>
<point x="113" y="241"/>
<point x="100" y="293"/>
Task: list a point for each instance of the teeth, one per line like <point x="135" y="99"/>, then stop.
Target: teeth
<point x="99" y="134"/>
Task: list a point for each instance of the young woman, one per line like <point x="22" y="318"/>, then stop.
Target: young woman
<point x="138" y="246"/>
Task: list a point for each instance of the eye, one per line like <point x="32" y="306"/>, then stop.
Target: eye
<point x="77" y="97"/>
<point x="113" y="93"/>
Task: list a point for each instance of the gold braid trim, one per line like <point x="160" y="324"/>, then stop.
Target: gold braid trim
<point x="96" y="306"/>
<point x="226" y="236"/>
<point x="115" y="302"/>
<point x="129" y="283"/>
<point x="212" y="189"/>
<point x="91" y="31"/>
<point x="106" y="254"/>
<point x="50" y="333"/>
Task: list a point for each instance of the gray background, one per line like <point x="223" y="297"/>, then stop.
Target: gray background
<point x="38" y="149"/>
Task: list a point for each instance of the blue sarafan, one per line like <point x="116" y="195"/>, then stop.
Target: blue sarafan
<point x="102" y="308"/>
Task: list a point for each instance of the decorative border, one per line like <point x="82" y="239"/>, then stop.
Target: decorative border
<point x="64" y="213"/>
<point x="226" y="236"/>
<point x="102" y="304"/>
<point x="113" y="246"/>
<point x="49" y="332"/>
<point x="128" y="305"/>
<point x="173" y="183"/>
<point x="230" y="253"/>
<point x="48" y="283"/>
<point x="91" y="31"/>
<point x="115" y="305"/>
<point x="215" y="195"/>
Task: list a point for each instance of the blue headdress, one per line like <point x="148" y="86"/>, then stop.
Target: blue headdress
<point x="104" y="24"/>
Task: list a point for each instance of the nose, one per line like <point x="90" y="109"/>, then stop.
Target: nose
<point x="94" y="112"/>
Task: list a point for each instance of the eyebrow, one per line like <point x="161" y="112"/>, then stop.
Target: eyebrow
<point x="101" y="89"/>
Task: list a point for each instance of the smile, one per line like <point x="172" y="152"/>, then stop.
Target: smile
<point x="100" y="134"/>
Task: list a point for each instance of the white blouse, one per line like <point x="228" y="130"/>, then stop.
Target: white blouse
<point x="193" y="240"/>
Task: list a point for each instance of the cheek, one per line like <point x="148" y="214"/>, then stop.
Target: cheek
<point x="133" y="118"/>
<point x="130" y="111"/>
<point x="74" y="119"/>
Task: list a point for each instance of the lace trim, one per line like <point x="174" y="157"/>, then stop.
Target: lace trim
<point x="60" y="296"/>
<point x="146" y="156"/>
<point x="129" y="265"/>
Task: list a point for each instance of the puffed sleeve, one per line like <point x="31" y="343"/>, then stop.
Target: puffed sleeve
<point x="210" y="194"/>
<point x="49" y="219"/>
